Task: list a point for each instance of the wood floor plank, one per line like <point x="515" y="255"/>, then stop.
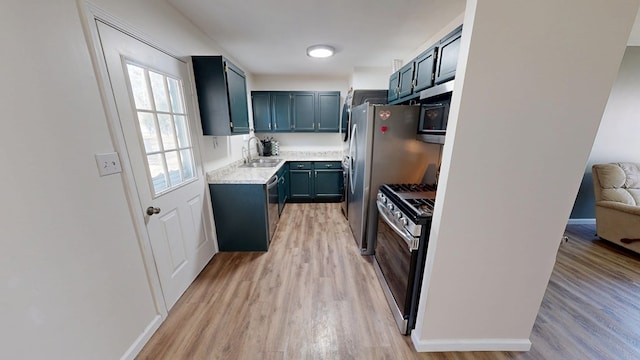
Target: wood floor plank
<point x="313" y="296"/>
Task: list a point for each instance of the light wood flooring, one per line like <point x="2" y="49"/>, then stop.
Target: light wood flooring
<point x="312" y="296"/>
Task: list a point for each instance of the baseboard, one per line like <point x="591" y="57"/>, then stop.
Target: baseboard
<point x="139" y="343"/>
<point x="470" y="344"/>
<point x="581" y="222"/>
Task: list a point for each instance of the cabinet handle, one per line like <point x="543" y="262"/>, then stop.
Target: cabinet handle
<point x="300" y="166"/>
<point x="316" y="174"/>
<point x="328" y="166"/>
<point x="309" y="174"/>
<point x="269" y="126"/>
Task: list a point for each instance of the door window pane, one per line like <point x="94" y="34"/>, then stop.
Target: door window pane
<point x="148" y="131"/>
<point x="182" y="131"/>
<point x="159" y="91"/>
<point x="175" y="95"/>
<point x="173" y="165"/>
<point x="158" y="172"/>
<point x="187" y="164"/>
<point x="167" y="131"/>
<point x="139" y="87"/>
<point x="163" y="126"/>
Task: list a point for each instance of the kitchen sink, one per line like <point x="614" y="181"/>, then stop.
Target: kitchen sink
<point x="262" y="163"/>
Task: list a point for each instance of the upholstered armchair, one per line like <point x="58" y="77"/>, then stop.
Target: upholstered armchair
<point x="617" y="195"/>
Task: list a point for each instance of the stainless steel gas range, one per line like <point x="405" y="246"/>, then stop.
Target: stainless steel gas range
<point x="404" y="222"/>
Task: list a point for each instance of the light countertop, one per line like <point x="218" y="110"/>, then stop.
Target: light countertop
<point x="234" y="174"/>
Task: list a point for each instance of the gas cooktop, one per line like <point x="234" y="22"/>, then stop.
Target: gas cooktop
<point x="416" y="200"/>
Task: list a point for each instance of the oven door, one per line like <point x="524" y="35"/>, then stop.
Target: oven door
<point x="396" y="257"/>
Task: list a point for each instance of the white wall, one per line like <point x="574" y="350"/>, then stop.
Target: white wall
<point x="617" y="138"/>
<point x="370" y="78"/>
<point x="304" y="141"/>
<point x="72" y="280"/>
<point x="530" y="92"/>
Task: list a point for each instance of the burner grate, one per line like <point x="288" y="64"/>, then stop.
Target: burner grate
<point x="412" y="187"/>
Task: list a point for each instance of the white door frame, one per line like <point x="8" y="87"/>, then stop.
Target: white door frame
<point x="89" y="14"/>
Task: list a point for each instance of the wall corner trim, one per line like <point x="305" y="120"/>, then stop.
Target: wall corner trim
<point x="438" y="345"/>
<point x="140" y="342"/>
<point x="581" y="222"/>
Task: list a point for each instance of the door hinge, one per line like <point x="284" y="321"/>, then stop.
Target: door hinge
<point x="225" y="67"/>
<point x="433" y="76"/>
<point x="231" y="124"/>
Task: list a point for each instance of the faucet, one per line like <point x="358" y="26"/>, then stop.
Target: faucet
<point x="260" y="148"/>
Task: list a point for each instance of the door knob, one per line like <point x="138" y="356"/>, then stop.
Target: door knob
<point x="153" y="210"/>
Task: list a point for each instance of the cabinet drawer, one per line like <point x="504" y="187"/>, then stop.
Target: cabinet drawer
<point x="328" y="165"/>
<point x="300" y="165"/>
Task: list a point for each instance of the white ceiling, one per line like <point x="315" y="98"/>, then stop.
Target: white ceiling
<point x="271" y="36"/>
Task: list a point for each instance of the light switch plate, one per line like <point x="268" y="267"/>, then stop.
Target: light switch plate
<point x="108" y="163"/>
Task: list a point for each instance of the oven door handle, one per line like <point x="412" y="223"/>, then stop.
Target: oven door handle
<point x="412" y="243"/>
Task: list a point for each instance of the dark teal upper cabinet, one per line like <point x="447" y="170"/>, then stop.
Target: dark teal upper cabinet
<point x="304" y="111"/>
<point x="423" y="74"/>
<point x="434" y="66"/>
<point x="448" y="56"/>
<point x="222" y="96"/>
<point x="296" y="111"/>
<point x="328" y="111"/>
<point x="393" y="86"/>
<point x="281" y="111"/>
<point x="406" y="80"/>
<point x="261" y="103"/>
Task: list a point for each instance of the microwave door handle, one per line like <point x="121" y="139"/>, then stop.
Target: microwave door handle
<point x="412" y="243"/>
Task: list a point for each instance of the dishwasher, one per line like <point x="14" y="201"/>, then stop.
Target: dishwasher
<point x="272" y="205"/>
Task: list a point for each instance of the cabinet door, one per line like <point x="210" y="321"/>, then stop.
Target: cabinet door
<point x="304" y="111"/>
<point x="281" y="106"/>
<point x="261" y="103"/>
<point x="393" y="86"/>
<point x="238" y="107"/>
<point x="448" y="56"/>
<point x="406" y="80"/>
<point x="328" y="184"/>
<point x="423" y="77"/>
<point x="300" y="184"/>
<point x="328" y="114"/>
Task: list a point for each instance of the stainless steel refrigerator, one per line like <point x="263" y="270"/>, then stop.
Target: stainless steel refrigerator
<point x="383" y="149"/>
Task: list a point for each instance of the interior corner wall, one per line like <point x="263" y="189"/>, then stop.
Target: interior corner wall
<point x="617" y="138"/>
<point x="520" y="130"/>
<point x="370" y="78"/>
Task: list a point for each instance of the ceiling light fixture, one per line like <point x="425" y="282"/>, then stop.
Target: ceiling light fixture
<point x="320" y="51"/>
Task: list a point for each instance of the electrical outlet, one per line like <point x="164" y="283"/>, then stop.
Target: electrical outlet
<point x="108" y="163"/>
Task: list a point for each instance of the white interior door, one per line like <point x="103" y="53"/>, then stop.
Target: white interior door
<point x="156" y="117"/>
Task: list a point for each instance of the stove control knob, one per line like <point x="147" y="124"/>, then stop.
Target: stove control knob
<point x="382" y="198"/>
<point x="390" y="207"/>
<point x="404" y="221"/>
<point x="398" y="215"/>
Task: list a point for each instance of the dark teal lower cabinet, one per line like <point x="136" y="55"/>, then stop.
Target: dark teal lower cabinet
<point x="300" y="185"/>
<point x="319" y="181"/>
<point x="328" y="185"/>
<point x="283" y="187"/>
<point x="240" y="213"/>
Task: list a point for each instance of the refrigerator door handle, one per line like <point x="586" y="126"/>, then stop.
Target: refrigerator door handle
<point x="353" y="153"/>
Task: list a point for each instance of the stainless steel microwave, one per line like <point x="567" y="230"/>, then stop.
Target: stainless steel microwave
<point x="434" y="113"/>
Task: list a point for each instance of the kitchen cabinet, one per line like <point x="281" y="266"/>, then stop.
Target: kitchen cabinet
<point x="316" y="181"/>
<point x="283" y="186"/>
<point x="393" y="87"/>
<point x="304" y="111"/>
<point x="424" y="64"/>
<point x="235" y="206"/>
<point x="271" y="111"/>
<point x="222" y="96"/>
<point x="328" y="111"/>
<point x="300" y="180"/>
<point x="296" y="111"/>
<point x="435" y="65"/>
<point x="405" y="82"/>
<point x="449" y="49"/>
